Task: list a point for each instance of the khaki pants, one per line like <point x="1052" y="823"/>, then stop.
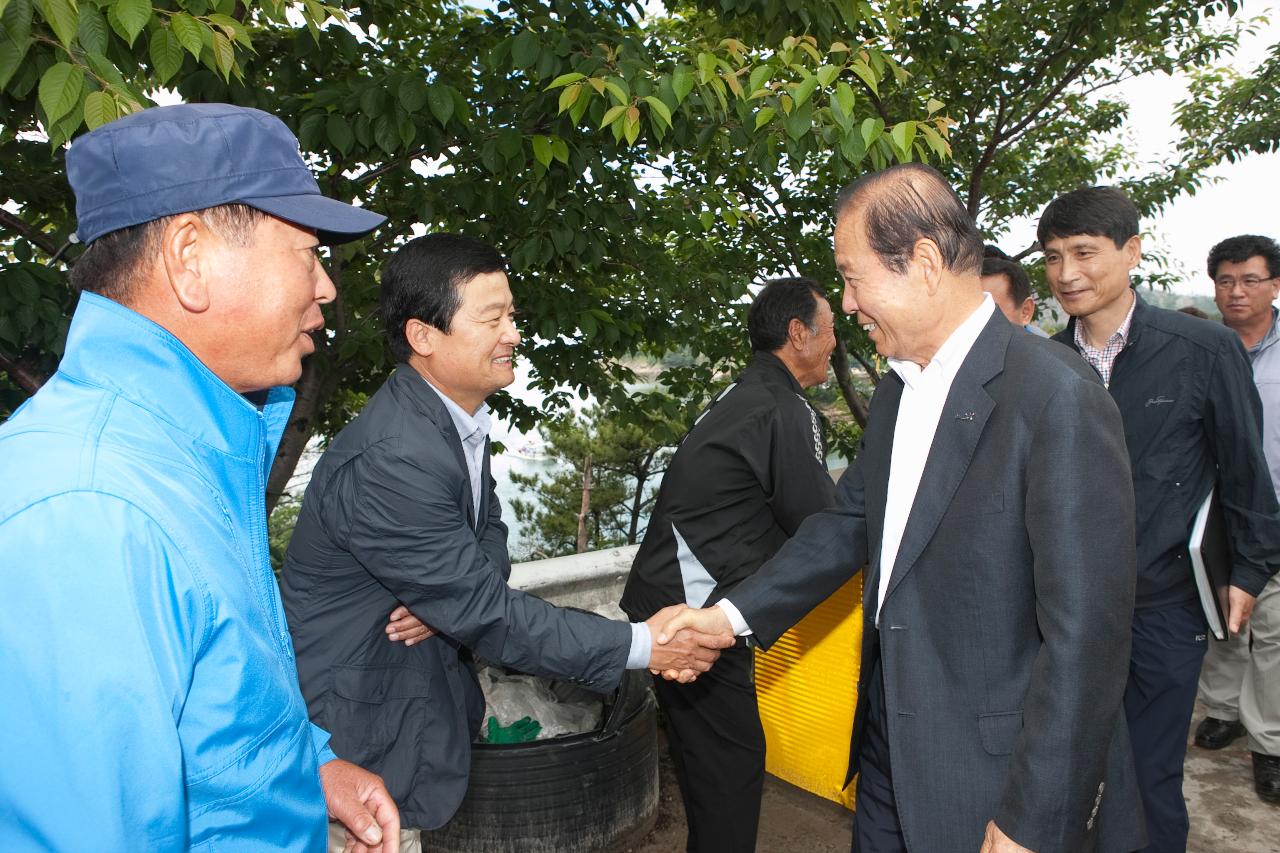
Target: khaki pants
<point x="1244" y="685"/>
<point x="410" y="839"/>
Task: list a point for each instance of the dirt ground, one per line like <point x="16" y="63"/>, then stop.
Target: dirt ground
<point x="1226" y="815"/>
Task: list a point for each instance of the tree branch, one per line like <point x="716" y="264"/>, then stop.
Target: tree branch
<point x="30" y="233"/>
<point x="27" y="378"/>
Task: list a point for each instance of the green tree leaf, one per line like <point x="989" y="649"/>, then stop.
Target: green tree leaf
<point x="60" y="90"/>
<point x="15" y="38"/>
<point x="903" y="134"/>
<point x="525" y="49"/>
<point x="128" y="17"/>
<point x="681" y="82"/>
<point x="99" y="108"/>
<point x="612" y="114"/>
<point x="189" y="32"/>
<point x="566" y="79"/>
<point x="63" y="17"/>
<point x="764" y="117"/>
<point x="412" y="93"/>
<point x="224" y="56"/>
<point x="166" y="53"/>
<point x="339" y="133"/>
<point x="92" y="31"/>
<point x="871" y="130"/>
<point x="440" y="102"/>
<point x="659" y="108"/>
<point x="542" y="150"/>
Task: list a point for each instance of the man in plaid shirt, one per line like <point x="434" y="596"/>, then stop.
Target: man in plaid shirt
<point x="1192" y="422"/>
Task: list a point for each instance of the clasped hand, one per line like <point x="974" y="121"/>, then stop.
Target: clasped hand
<point x="687" y="641"/>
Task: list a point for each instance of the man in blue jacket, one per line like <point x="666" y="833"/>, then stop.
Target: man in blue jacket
<point x="152" y="696"/>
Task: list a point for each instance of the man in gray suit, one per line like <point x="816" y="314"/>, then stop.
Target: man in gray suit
<point x="992" y="507"/>
<point x="401" y="510"/>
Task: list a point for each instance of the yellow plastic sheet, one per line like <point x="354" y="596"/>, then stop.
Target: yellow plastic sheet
<point x="807" y="686"/>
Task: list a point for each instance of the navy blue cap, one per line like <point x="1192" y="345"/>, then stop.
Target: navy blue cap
<point x="168" y="160"/>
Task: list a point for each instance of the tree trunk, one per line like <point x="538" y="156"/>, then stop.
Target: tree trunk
<point x="586" y="505"/>
<point x="313" y="389"/>
<point x="840" y="364"/>
<point x="637" y="499"/>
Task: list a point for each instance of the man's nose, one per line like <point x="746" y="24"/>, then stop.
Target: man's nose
<point x="510" y="332"/>
<point x="849" y="302"/>
<point x="325" y="291"/>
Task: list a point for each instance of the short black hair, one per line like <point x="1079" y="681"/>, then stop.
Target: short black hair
<point x="1019" y="282"/>
<point x="1096" y="211"/>
<point x="423" y="281"/>
<point x="110" y="265"/>
<point x="1194" y="311"/>
<point x="780" y="301"/>
<point x="909" y="202"/>
<point x="1237" y="250"/>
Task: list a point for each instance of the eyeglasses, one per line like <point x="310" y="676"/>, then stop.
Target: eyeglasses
<point x="1248" y="282"/>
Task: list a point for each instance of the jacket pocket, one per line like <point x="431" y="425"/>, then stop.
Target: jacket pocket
<point x="977" y="505"/>
<point x="370" y="707"/>
<point x="999" y="732"/>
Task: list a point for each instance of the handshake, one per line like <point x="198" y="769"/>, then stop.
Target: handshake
<point x="687" y="641"/>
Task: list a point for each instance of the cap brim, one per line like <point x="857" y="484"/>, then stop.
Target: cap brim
<point x="333" y="221"/>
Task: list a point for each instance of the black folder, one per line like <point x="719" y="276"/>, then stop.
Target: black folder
<point x="1211" y="560"/>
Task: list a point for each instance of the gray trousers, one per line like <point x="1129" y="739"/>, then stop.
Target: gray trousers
<point x="1237" y="683"/>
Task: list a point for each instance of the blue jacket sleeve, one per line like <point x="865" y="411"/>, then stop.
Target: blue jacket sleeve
<point x="99" y="631"/>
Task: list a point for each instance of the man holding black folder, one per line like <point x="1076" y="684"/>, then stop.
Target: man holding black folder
<point x="1192" y="422"/>
<point x="1240" y="682"/>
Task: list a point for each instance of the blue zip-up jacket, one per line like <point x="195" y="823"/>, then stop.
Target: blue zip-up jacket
<point x="151" y="697"/>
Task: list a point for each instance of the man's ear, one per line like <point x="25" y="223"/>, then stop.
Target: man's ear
<point x="420" y="336"/>
<point x="1028" y="310"/>
<point x="187" y="253"/>
<point x="1133" y="251"/>
<point x="797" y="333"/>
<point x="927" y="258"/>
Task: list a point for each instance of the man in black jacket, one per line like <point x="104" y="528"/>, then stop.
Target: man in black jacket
<point x="401" y="510"/>
<point x="751" y="469"/>
<point x="1192" y="422"/>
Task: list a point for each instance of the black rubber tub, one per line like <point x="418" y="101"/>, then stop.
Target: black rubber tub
<point x="572" y="794"/>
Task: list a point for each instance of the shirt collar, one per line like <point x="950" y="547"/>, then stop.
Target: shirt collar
<point x="1270" y="337"/>
<point x="468" y="425"/>
<point x="1120" y="335"/>
<point x="947" y="360"/>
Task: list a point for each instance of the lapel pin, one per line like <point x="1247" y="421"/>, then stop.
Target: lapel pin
<point x="966" y="416"/>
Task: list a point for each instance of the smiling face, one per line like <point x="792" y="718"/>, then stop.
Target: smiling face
<point x="474" y="358"/>
<point x="894" y="309"/>
<point x="265" y="304"/>
<point x="1088" y="273"/>
<point x="816" y="347"/>
<point x="1241" y="306"/>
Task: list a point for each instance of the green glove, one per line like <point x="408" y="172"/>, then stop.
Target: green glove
<point x="522" y="730"/>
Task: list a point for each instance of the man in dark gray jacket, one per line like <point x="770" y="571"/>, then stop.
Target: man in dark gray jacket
<point x="992" y="506"/>
<point x="401" y="510"/>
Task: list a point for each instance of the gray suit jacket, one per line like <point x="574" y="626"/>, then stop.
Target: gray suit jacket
<point x="1004" y="635"/>
<point x="387" y="519"/>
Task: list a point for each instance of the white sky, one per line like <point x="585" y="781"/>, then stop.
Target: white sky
<point x="1240" y="202"/>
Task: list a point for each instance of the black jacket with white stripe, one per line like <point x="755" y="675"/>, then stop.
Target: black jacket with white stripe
<point x="751" y="469"/>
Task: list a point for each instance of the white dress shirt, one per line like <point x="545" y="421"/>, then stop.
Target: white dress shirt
<point x="473" y="429"/>
<point x="924" y="394"/>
